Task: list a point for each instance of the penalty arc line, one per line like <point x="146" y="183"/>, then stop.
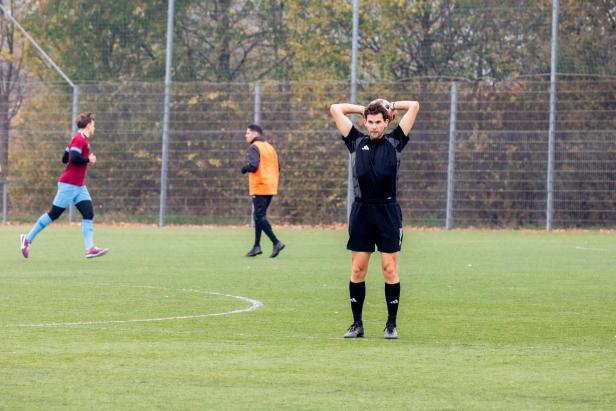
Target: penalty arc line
<point x="254" y="305"/>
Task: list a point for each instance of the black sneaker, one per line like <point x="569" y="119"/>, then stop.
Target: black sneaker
<point x="277" y="249"/>
<point x="254" y="251"/>
<point x="355" y="331"/>
<point x="390" y="332"/>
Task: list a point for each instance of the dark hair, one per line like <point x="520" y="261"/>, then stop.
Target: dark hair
<point x="256" y="127"/>
<point x="84" y="119"/>
<point x="376" y="108"/>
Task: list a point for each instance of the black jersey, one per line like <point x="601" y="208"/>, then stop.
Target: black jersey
<point x="375" y="163"/>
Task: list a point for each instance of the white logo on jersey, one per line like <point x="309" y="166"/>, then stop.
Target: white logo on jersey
<point x="365" y="148"/>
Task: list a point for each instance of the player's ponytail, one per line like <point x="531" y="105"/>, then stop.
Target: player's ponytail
<point x="84" y="119"/>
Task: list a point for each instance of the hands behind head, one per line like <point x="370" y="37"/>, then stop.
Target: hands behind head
<point x="381" y="101"/>
<point x="388" y="106"/>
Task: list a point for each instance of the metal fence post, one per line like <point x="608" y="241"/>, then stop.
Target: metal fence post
<point x="354" y="46"/>
<point x="451" y="166"/>
<point x="165" y="148"/>
<point x="257" y="117"/>
<point x="257" y="120"/>
<point x="5" y="200"/>
<point x="75" y="111"/>
<point x="552" y="131"/>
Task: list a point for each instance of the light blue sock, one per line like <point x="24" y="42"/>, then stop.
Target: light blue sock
<point x="40" y="224"/>
<point x="87" y="228"/>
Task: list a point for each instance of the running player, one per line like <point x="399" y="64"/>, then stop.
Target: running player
<point x="72" y="189"/>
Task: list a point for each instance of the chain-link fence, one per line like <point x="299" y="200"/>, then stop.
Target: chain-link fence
<point x="499" y="167"/>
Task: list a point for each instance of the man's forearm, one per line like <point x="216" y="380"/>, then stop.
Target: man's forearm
<point x="340" y="111"/>
<point x="410" y="109"/>
<point x="404" y="105"/>
<point x="347" y="108"/>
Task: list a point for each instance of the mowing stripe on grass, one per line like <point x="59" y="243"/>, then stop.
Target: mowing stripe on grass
<point x="590" y="248"/>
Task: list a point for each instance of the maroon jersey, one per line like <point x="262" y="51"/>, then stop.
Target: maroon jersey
<point x="75" y="174"/>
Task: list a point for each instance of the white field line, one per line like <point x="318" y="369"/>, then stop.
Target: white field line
<point x="254" y="305"/>
<point x="590" y="248"/>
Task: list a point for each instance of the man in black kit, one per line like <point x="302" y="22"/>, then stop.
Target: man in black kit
<point x="376" y="218"/>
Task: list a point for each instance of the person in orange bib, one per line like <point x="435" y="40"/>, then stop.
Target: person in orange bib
<point x="263" y="172"/>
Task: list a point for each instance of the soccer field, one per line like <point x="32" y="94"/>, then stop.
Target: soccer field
<point x="488" y="320"/>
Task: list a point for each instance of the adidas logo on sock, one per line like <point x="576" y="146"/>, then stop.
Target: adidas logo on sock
<point x="394" y="301"/>
<point x="353" y="300"/>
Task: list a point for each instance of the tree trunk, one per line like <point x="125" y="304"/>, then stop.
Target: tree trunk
<point x="224" y="55"/>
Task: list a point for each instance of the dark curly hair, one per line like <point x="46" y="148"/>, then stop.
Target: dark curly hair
<point x="376" y="108"/>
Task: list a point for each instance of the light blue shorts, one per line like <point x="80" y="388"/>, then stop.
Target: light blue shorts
<point x="68" y="193"/>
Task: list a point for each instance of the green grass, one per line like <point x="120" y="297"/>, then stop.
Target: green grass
<point x="488" y="320"/>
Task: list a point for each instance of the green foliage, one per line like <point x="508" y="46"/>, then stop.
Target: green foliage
<point x="229" y="40"/>
<point x="588" y="35"/>
<point x="103" y="39"/>
<point x="217" y="40"/>
<point x="320" y="39"/>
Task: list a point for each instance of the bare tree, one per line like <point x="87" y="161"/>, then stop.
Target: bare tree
<point x="229" y="40"/>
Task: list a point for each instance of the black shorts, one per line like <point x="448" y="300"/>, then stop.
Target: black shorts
<point x="373" y="224"/>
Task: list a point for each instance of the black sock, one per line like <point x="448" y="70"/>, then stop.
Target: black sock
<point x="357" y="291"/>
<point x="392" y="298"/>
